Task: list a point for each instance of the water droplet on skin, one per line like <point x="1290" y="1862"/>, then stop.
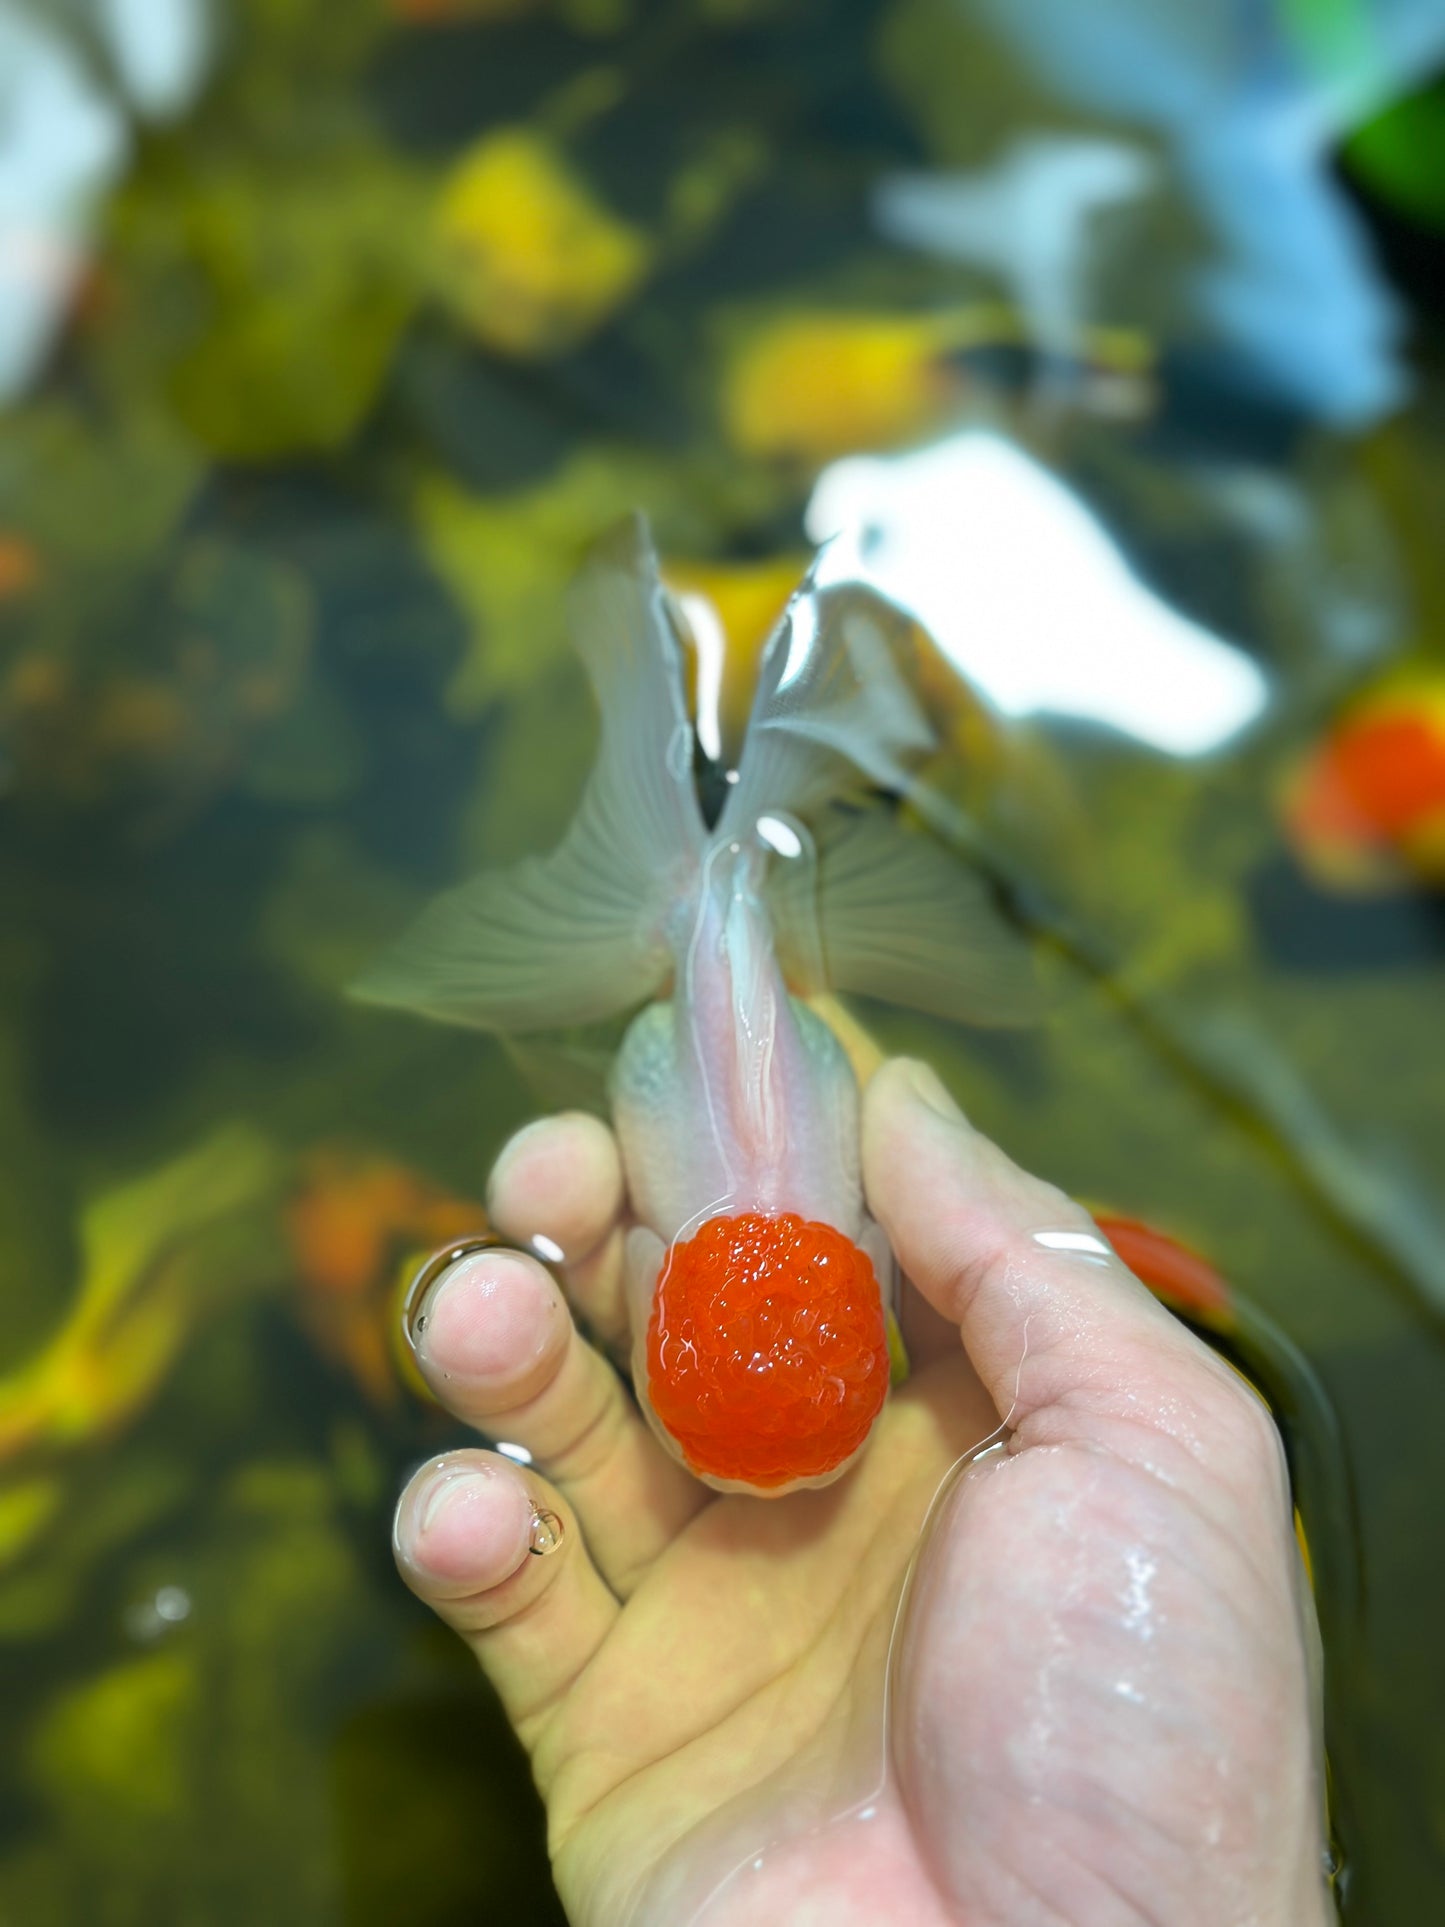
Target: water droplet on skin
<point x="546" y="1533"/>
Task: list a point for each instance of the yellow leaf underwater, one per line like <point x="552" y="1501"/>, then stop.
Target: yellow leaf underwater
<point x="812" y="386"/>
<point x="156" y="1254"/>
<point x="121" y="1741"/>
<point x="529" y="261"/>
<point x="301" y="285"/>
<point x="507" y="559"/>
<point x="26" y="1508"/>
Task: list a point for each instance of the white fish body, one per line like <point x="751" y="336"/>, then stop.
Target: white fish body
<point x="729" y="1095"/>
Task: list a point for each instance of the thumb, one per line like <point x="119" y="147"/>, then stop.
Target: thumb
<point x="1061" y="1333"/>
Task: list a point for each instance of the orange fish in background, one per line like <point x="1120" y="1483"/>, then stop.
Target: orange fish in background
<point x="19" y="566"/>
<point x="1253" y="1346"/>
<point x="1364" y="812"/>
<point x="357" y="1225"/>
<point x="1173" y="1272"/>
<point x="159" y="740"/>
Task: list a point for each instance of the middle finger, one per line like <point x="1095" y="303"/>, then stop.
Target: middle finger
<point x="557" y="1190"/>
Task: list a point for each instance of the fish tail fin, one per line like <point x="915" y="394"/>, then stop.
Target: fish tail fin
<point x="875" y="907"/>
<point x="835" y="706"/>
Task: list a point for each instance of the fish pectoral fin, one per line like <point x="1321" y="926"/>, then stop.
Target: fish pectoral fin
<point x="576" y="936"/>
<point x="893" y="913"/>
<point x="548" y="943"/>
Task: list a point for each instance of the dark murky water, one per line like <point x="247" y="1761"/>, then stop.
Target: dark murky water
<point x="333" y="337"/>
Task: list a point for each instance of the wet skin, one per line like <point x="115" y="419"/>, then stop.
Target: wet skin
<point x="1101" y="1702"/>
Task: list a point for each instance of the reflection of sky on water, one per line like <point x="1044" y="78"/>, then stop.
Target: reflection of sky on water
<point x="1025" y="592"/>
<point x="64" y="138"/>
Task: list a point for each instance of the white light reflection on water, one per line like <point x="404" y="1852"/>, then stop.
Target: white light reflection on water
<point x="1025" y="591"/>
<point x="709" y="647"/>
<point x="780" y="836"/>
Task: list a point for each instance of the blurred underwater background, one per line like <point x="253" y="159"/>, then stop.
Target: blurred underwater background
<point x="1111" y="335"/>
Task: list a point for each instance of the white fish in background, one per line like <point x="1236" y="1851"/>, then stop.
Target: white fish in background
<point x="1038" y="607"/>
<point x="1250" y="97"/>
<point x="65" y="140"/>
<point x="1030" y="219"/>
<point x="761" y="1352"/>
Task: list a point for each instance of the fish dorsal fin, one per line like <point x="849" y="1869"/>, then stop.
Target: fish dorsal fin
<point x="886" y="910"/>
<point x="578" y="935"/>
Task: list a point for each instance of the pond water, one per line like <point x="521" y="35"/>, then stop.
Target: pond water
<point x="329" y="337"/>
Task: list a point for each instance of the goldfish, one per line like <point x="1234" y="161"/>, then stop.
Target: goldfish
<point x="757" y="1281"/>
<point x="1245" y="106"/>
<point x="812" y="386"/>
<point x="355" y="1225"/>
<point x="20" y="568"/>
<point x="1182" y="1278"/>
<point x="1365" y="810"/>
<point x="1273" y="1367"/>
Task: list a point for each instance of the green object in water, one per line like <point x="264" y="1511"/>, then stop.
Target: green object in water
<point x="1400" y="155"/>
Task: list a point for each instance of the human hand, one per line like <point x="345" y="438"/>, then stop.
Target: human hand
<point x="1098" y="1696"/>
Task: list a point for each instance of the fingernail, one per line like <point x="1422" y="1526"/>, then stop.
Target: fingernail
<point x="929" y="1089"/>
<point x="421" y="1293"/>
<point x="493" y="1315"/>
<point x="447" y="1489"/>
<point x="468" y="1527"/>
